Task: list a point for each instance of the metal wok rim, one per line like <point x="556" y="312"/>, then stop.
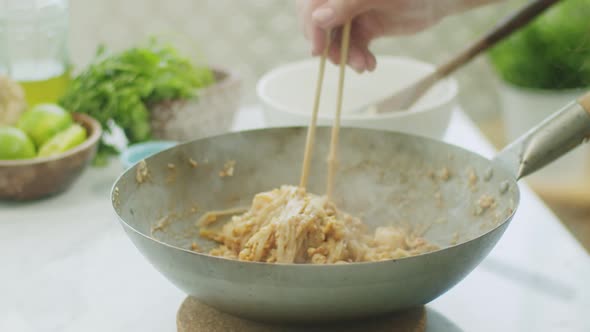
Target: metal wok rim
<point x="307" y="265"/>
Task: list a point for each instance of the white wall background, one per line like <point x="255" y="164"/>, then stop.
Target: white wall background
<point x="252" y="36"/>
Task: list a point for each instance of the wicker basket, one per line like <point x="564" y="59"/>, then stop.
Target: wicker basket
<point x="211" y="113"/>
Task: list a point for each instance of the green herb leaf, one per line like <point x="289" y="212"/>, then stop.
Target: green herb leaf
<point x="121" y="86"/>
<point x="552" y="52"/>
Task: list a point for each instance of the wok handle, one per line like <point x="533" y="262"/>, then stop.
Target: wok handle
<point x="554" y="137"/>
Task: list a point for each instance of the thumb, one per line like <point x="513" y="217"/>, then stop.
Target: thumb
<point x="336" y="12"/>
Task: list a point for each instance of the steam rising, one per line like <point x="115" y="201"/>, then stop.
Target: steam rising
<point x="383" y="178"/>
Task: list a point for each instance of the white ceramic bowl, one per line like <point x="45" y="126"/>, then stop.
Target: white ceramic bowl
<point x="286" y="94"/>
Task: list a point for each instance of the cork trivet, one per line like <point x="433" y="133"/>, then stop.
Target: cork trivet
<point x="196" y="317"/>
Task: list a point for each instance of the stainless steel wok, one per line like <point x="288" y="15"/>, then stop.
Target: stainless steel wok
<point x="460" y="200"/>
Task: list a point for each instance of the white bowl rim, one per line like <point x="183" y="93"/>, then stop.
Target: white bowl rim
<point x="449" y="97"/>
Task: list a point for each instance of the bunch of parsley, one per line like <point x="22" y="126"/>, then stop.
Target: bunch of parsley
<point x="120" y="87"/>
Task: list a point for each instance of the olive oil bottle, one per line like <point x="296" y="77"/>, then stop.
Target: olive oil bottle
<point x="33" y="47"/>
<point x="42" y="82"/>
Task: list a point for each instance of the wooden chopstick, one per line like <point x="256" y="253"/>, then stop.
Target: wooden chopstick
<point x="313" y="123"/>
<point x="332" y="158"/>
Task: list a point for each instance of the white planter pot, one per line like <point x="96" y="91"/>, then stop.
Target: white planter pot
<point x="523" y="109"/>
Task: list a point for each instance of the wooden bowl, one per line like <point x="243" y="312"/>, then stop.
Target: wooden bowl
<point x="210" y="113"/>
<point x="29" y="179"/>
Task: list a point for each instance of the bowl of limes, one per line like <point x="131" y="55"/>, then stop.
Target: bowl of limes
<point x="45" y="151"/>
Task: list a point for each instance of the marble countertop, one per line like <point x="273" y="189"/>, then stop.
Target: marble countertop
<point x="66" y="265"/>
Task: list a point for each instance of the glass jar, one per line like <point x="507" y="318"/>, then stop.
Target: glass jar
<point x="33" y="47"/>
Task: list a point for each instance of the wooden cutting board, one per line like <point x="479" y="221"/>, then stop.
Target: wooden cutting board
<point x="196" y="317"/>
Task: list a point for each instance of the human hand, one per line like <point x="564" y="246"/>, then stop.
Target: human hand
<point x="371" y="19"/>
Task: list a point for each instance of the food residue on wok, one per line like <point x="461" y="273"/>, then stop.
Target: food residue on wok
<point x="193" y="163"/>
<point x="161" y="225"/>
<point x="228" y="169"/>
<point x="289" y="225"/>
<point x="484" y="203"/>
<point x="116" y="200"/>
<point x="195" y="247"/>
<point x="472" y="179"/>
<point x="171" y="177"/>
<point x="193" y="209"/>
<point x="443" y="174"/>
<point x="142" y="173"/>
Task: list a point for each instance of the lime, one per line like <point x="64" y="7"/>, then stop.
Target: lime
<point x="63" y="141"/>
<point x="15" y="144"/>
<point x="44" y="121"/>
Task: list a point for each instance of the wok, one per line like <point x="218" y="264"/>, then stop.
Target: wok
<point x="384" y="177"/>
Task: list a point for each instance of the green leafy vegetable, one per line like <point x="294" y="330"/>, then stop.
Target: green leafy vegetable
<point x="122" y="86"/>
<point x="552" y="52"/>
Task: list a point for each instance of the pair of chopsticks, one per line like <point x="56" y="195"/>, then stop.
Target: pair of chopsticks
<point x="332" y="158"/>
